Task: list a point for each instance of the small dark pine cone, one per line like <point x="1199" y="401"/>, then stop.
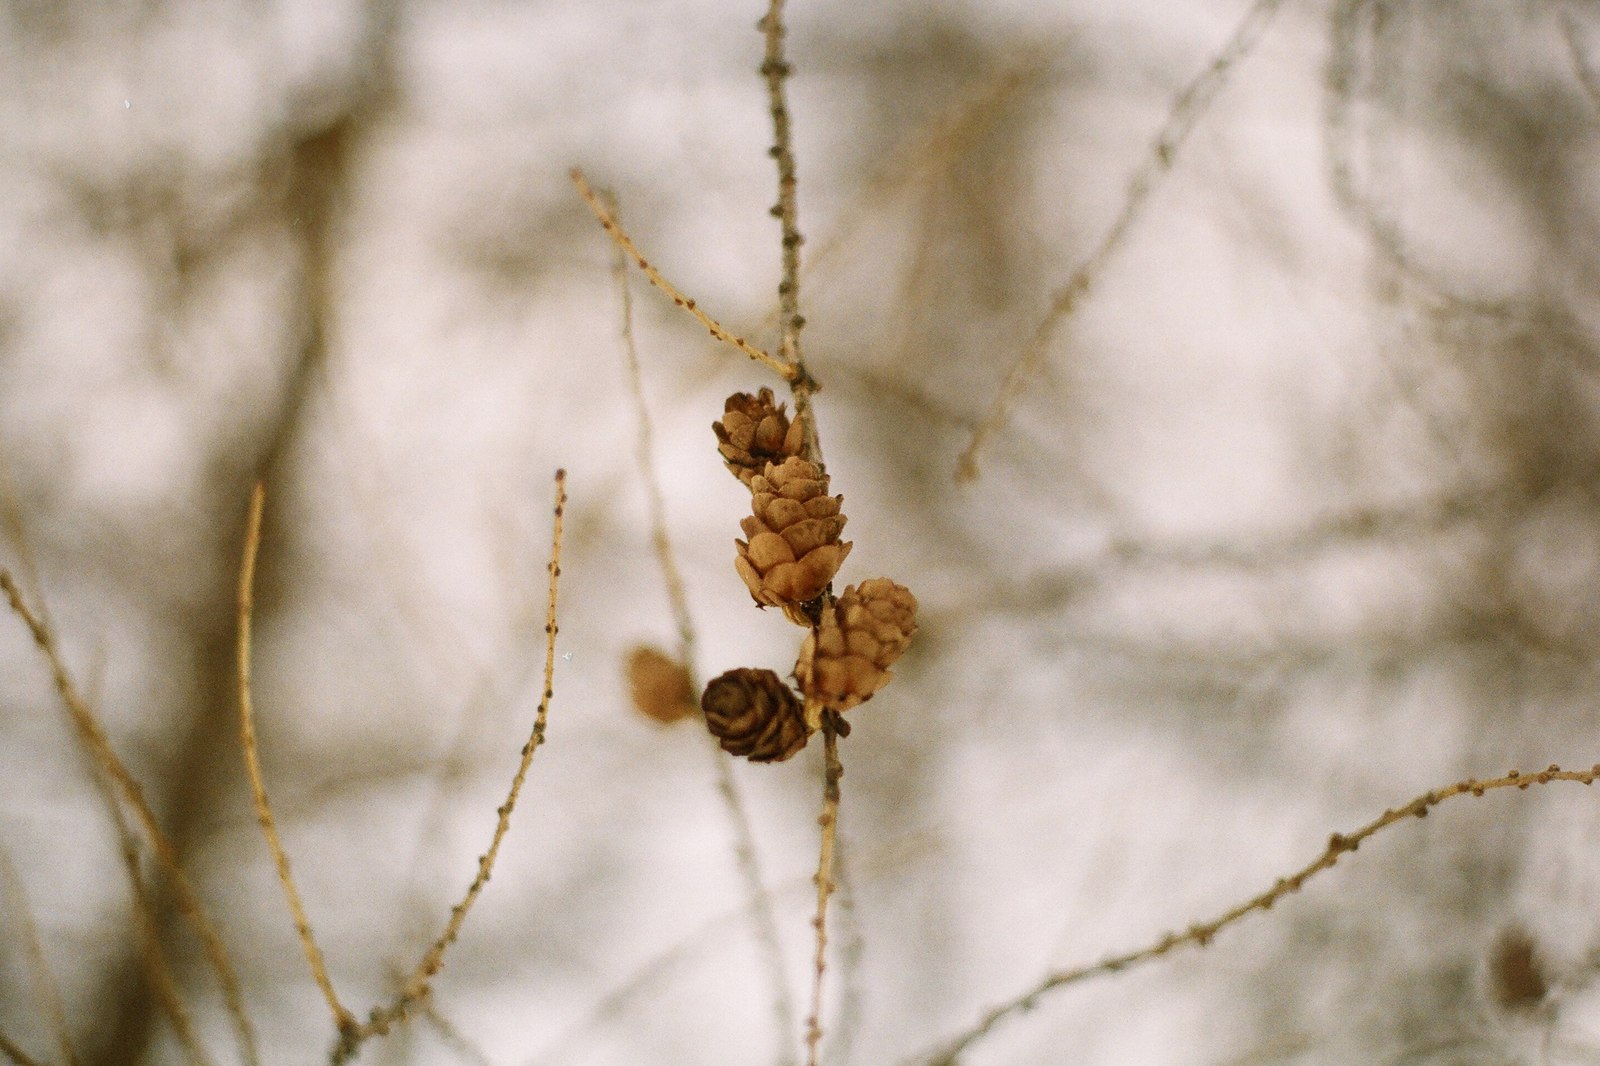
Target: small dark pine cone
<point x="753" y="713"/>
<point x="753" y="432"/>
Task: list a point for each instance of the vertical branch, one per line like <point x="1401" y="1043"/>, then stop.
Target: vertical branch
<point x="258" y="789"/>
<point x="833" y="770"/>
<point x="98" y="745"/>
<point x="775" y="70"/>
<point x="762" y="916"/>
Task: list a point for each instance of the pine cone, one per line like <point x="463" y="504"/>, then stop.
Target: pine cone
<point x="659" y="685"/>
<point x="753" y="713"/>
<point x="794" y="548"/>
<point x="846" y="659"/>
<point x="753" y="432"/>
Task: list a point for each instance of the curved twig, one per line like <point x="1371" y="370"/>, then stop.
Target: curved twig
<point x="1202" y="933"/>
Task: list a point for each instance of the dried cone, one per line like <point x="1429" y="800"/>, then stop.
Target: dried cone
<point x="793" y="550"/>
<point x="753" y="713"/>
<point x="846" y="658"/>
<point x="755" y="431"/>
<point x="659" y="685"/>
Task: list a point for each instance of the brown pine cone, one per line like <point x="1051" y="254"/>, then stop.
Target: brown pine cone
<point x="659" y="685"/>
<point x="846" y="659"/>
<point x="794" y="548"/>
<point x="753" y="713"/>
<point x="754" y="432"/>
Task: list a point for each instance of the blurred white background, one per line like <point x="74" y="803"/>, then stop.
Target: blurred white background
<point x="1298" y="518"/>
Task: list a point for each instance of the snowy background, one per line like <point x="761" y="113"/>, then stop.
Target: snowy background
<point x="1297" y="519"/>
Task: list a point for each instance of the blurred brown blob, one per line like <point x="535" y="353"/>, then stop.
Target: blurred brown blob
<point x="659" y="685"/>
<point x="1516" y="981"/>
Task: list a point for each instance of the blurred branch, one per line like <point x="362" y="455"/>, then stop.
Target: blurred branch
<point x="95" y="741"/>
<point x="1587" y="77"/>
<point x="1202" y="934"/>
<point x="1187" y="109"/>
<point x="762" y="916"/>
<point x="15" y="1053"/>
<point x="45" y="990"/>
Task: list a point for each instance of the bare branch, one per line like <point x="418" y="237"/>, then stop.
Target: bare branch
<point x="1203" y="933"/>
<point x="342" y="1018"/>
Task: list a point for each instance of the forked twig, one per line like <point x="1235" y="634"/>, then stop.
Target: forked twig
<point x="762" y="916"/>
<point x="418" y="985"/>
<point x="786" y="371"/>
<point x="94" y="739"/>
<point x="1187" y="109"/>
<point x="342" y="1018"/>
<point x="1203" y="933"/>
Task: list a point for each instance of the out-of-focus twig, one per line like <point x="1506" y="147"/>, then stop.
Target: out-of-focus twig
<point x="94" y="739"/>
<point x="1186" y="110"/>
<point x="45" y="991"/>
<point x="762" y="916"/>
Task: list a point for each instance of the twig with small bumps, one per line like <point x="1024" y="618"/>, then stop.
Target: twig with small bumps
<point x="343" y="1020"/>
<point x="787" y="372"/>
<point x="418" y="985"/>
<point x="1203" y="933"/>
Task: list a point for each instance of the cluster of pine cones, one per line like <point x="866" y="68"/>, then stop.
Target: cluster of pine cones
<point x="788" y="561"/>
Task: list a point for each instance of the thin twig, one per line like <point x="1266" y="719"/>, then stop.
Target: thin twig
<point x="152" y="954"/>
<point x="644" y="454"/>
<point x="1201" y="934"/>
<point x="45" y="991"/>
<point x="94" y="738"/>
<point x="342" y="1018"/>
<point x="775" y="69"/>
<point x="715" y="328"/>
<point x="832" y="771"/>
<point x="1187" y="109"/>
<point x="418" y="985"/>
<point x="762" y="915"/>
